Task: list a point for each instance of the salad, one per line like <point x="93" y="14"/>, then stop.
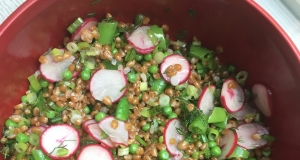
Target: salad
<point x="125" y="91"/>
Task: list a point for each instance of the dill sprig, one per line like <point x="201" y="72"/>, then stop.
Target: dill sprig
<point x="60" y="146"/>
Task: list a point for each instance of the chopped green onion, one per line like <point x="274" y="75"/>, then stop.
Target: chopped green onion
<point x="89" y="65"/>
<point x="199" y="52"/>
<point x="241" y="77"/>
<point x="92" y="52"/>
<point x="72" y="47"/>
<point x="62" y="152"/>
<point x="123" y="151"/>
<point x="107" y="31"/>
<point x="268" y="138"/>
<point x="31" y="97"/>
<point x="192" y="91"/>
<point x="34" y="139"/>
<point x="56" y="52"/>
<point x="158" y="57"/>
<point x="212" y="134"/>
<point x="152" y="37"/>
<point x="130" y="55"/>
<point x="21" y="147"/>
<point x="141" y="141"/>
<point x="34" y="83"/>
<point x="83" y="46"/>
<point x="143" y="86"/>
<point x="164" y="100"/>
<point x="73" y="27"/>
<point x="139" y="19"/>
<point x="145" y="112"/>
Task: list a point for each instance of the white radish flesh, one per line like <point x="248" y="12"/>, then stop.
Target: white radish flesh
<point x="262" y="99"/>
<point x="206" y="100"/>
<point x="141" y="41"/>
<point x="171" y="134"/>
<point x="109" y="83"/>
<point x="181" y="75"/>
<point x="245" y="133"/>
<point x="59" y="136"/>
<point x="117" y="135"/>
<point x="95" y="131"/>
<point x="89" y="22"/>
<point x="240" y="115"/>
<point x="94" y="152"/>
<point x="228" y="144"/>
<point x="86" y="123"/>
<point x="52" y="71"/>
<point x="232" y="99"/>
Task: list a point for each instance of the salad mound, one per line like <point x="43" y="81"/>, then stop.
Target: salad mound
<point x="127" y="91"/>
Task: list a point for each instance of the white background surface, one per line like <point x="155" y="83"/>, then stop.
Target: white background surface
<point x="289" y="22"/>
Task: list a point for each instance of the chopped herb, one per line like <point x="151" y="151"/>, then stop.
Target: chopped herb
<point x="96" y="1"/>
<point x="155" y="110"/>
<point x="90" y="15"/>
<point x="122" y="89"/>
<point x="192" y="12"/>
<point x="60" y="146"/>
<point x="103" y="135"/>
<point x="180" y="131"/>
<point x="181" y="34"/>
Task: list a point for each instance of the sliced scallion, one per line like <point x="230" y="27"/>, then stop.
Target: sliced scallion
<point x="73" y="27"/>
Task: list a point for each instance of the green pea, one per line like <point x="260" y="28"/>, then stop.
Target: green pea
<point x="132" y="148"/>
<point x="131" y="77"/>
<point x="231" y="68"/>
<point x="138" y="57"/>
<point x="85" y="75"/>
<point x="21" y="147"/>
<point x="99" y="116"/>
<point x="86" y="109"/>
<point x="153" y="69"/>
<point x="195" y="155"/>
<point x="163" y="155"/>
<point x="21" y="137"/>
<point x="172" y="115"/>
<point x="86" y="69"/>
<point x="50" y="114"/>
<point x="24" y="99"/>
<point x="67" y="75"/>
<point x="161" y="139"/>
<point x="34" y="139"/>
<point x="215" y="151"/>
<point x="211" y="144"/>
<point x="10" y="123"/>
<point x="62" y="152"/>
<point x="167" y="110"/>
<point x="147" y="57"/>
<point x="44" y="83"/>
<point x="146" y="127"/>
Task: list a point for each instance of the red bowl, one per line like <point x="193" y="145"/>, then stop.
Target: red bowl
<point x="251" y="39"/>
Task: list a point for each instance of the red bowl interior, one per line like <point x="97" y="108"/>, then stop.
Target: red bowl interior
<point x="251" y="40"/>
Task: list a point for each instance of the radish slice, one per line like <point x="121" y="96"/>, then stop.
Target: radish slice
<point x="93" y="152"/>
<point x="232" y="99"/>
<point x="170" y="133"/>
<point x="240" y="115"/>
<point x="262" y="99"/>
<point x="89" y="22"/>
<point x="95" y="131"/>
<point x="58" y="136"/>
<point x="52" y="71"/>
<point x="86" y="123"/>
<point x="245" y="132"/>
<point x="140" y="40"/>
<point x="206" y="99"/>
<point x="228" y="144"/>
<point x="118" y="135"/>
<point x="181" y="75"/>
<point x="108" y="83"/>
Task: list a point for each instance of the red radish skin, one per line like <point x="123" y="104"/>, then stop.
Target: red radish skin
<point x="182" y="75"/>
<point x="232" y="99"/>
<point x="228" y="144"/>
<point x="206" y="99"/>
<point x="95" y="132"/>
<point x="262" y="99"/>
<point x="108" y="83"/>
<point x="240" y="115"/>
<point x="87" y="23"/>
<point x="118" y="135"/>
<point x="52" y="71"/>
<point x="170" y="132"/>
<point x="245" y="132"/>
<point x="60" y="135"/>
<point x="87" y="122"/>
<point x="140" y="40"/>
<point x="94" y="152"/>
